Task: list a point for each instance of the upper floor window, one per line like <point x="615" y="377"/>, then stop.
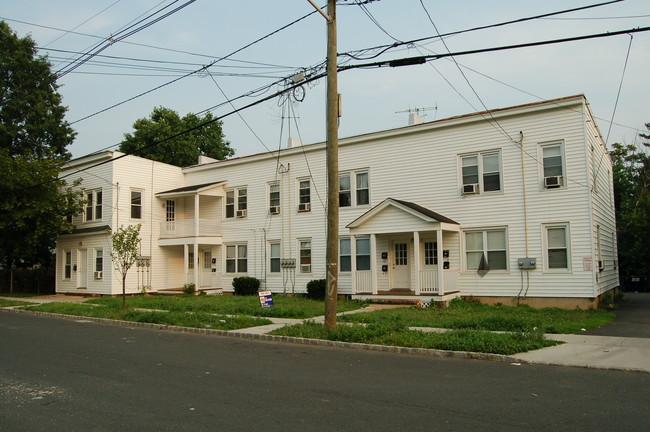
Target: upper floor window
<point x="274" y="198"/>
<point x="354" y="189"/>
<point x="553" y="166"/>
<point x="481" y="172"/>
<point x="486" y="250"/>
<point x="236" y="203"/>
<point x="557" y="247"/>
<point x="236" y="258"/>
<point x="94" y="200"/>
<point x="304" y="195"/>
<point x="136" y="204"/>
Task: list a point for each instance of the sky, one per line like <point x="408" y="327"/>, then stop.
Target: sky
<point x="611" y="72"/>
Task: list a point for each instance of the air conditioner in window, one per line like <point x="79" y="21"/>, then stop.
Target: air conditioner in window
<point x="274" y="210"/>
<point x="553" y="182"/>
<point x="470" y="189"/>
<point x="241" y="213"/>
<point x="304" y="207"/>
<point x="601" y="265"/>
<point x="305" y="268"/>
<point x="99" y="275"/>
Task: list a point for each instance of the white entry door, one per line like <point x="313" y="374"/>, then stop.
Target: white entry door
<point x="401" y="266"/>
<point x="82" y="270"/>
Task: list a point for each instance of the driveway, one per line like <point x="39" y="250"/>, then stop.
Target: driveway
<point x="632" y="317"/>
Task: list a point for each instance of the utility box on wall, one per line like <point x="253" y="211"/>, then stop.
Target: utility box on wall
<point x="527" y="263"/>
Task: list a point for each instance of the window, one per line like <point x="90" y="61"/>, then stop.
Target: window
<point x="67" y="265"/>
<point x="274" y="257"/>
<point x="237" y="258"/>
<point x="430" y="253"/>
<point x="481" y="172"/>
<point x="345" y="255"/>
<point x="93" y="205"/>
<point x="190" y="260"/>
<point x="274" y="198"/>
<point x="304" y="196"/>
<point x="486" y="245"/>
<point x="557" y="247"/>
<point x="99" y="260"/>
<point x="552" y="159"/>
<point x="305" y="256"/>
<point x="136" y="204"/>
<point x="357" y="182"/>
<point x="207" y="259"/>
<point x="363" y="253"/>
<point x="170" y="211"/>
<point x="236" y="203"/>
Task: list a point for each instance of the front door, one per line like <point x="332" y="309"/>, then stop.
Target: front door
<point x="401" y="266"/>
<point x="82" y="270"/>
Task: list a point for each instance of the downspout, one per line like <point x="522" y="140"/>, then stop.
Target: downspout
<point x="523" y="181"/>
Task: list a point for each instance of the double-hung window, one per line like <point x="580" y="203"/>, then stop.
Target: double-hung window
<point x="99" y="260"/>
<point x="304" y="195"/>
<point x="481" y="172"/>
<point x="486" y="250"/>
<point x="236" y="203"/>
<point x="305" y="256"/>
<point x="94" y="201"/>
<point x="430" y="253"/>
<point x="274" y="198"/>
<point x="557" y="246"/>
<point x="67" y="265"/>
<point x="136" y="204"/>
<point x="345" y="255"/>
<point x="274" y="256"/>
<point x="363" y="253"/>
<point x="236" y="258"/>
<point x="354" y="189"/>
<point x="553" y="165"/>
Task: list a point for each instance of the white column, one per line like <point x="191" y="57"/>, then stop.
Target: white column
<point x="353" y="263"/>
<point x="440" y="276"/>
<point x="196" y="264"/>
<point x="186" y="263"/>
<point x="196" y="218"/>
<point x="416" y="259"/>
<point x="373" y="262"/>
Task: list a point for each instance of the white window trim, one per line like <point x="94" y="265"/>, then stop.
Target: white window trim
<point x="235" y="190"/>
<point x="484" y="230"/>
<point x="271" y="257"/>
<point x="540" y="158"/>
<point x="567" y="233"/>
<point x="141" y="191"/>
<point x="311" y="255"/>
<point x="94" y="206"/>
<point x="351" y="256"/>
<point x="353" y="187"/>
<point x="298" y="189"/>
<point x="65" y="264"/>
<point x="225" y="258"/>
<point x="479" y="155"/>
<point x="269" y="185"/>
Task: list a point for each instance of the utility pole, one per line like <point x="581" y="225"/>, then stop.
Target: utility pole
<point x="332" y="160"/>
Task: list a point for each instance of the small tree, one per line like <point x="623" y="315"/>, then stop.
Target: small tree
<point x="124" y="252"/>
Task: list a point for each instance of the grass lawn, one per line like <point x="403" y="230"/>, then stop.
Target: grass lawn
<point x="284" y="307"/>
<point x="476" y="316"/>
<point x="195" y="319"/>
<point x="392" y="332"/>
<point x="5" y="303"/>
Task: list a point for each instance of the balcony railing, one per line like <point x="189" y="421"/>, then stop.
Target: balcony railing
<point x="187" y="228"/>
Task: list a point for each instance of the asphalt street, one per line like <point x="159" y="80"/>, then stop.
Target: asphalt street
<point x="65" y="375"/>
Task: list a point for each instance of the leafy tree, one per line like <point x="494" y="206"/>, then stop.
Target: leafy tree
<point x="33" y="140"/>
<point x="631" y="170"/>
<point x="183" y="150"/>
<point x="126" y="243"/>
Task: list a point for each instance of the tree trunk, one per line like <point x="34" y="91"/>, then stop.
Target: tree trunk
<point x="124" y="292"/>
<point x="11" y="280"/>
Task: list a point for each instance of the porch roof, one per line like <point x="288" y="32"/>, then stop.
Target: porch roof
<point x="421" y="217"/>
<point x="190" y="190"/>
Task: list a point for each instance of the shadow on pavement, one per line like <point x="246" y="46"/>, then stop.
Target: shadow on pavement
<point x="632" y="317"/>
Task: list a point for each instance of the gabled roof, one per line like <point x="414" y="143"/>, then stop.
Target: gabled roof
<point x="409" y="207"/>
<point x="191" y="189"/>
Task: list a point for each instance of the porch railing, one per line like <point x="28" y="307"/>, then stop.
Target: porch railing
<point x="363" y="281"/>
<point x="186" y="228"/>
<point x="206" y="279"/>
<point x="429" y="282"/>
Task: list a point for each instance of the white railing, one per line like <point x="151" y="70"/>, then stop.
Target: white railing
<point x="206" y="279"/>
<point x="187" y="228"/>
<point x="451" y="280"/>
<point x="429" y="281"/>
<point x="363" y="281"/>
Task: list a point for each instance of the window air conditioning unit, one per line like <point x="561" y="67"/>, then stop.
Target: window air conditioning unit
<point x="241" y="213"/>
<point x="553" y="182"/>
<point x="470" y="189"/>
<point x="274" y="210"/>
<point x="304" y="207"/>
<point x="305" y="268"/>
<point x="601" y="265"/>
<point x="99" y="275"/>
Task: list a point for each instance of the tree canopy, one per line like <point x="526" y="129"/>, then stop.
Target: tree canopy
<point x="631" y="170"/>
<point x="149" y="139"/>
<point x="34" y="204"/>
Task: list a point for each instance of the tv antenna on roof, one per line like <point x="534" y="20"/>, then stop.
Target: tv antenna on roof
<point x="416" y="114"/>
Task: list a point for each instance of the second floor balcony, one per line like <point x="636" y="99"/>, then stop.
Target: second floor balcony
<point x="184" y="228"/>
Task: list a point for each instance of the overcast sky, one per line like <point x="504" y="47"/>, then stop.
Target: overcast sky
<point x="373" y="99"/>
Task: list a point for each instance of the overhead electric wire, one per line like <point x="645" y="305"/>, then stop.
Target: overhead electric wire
<point x="82" y="23"/>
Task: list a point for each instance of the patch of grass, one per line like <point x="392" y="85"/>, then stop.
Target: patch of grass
<point x="6" y="303"/>
<point x="284" y="307"/>
<point x="476" y="316"/>
<point x="393" y="332"/>
<point x="194" y="319"/>
<point x="7" y="294"/>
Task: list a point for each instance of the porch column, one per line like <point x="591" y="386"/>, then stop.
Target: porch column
<point x="196" y="264"/>
<point x="353" y="263"/>
<point x="186" y="263"/>
<point x="416" y="259"/>
<point x="373" y="262"/>
<point x="440" y="276"/>
<point x="196" y="219"/>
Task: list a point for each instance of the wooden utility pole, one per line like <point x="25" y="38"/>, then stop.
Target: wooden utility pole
<point x="332" y="159"/>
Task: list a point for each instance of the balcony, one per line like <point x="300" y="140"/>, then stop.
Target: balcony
<point x="186" y="228"/>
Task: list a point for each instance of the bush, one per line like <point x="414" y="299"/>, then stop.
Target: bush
<point x="246" y="286"/>
<point x="189" y="288"/>
<point x="316" y="289"/>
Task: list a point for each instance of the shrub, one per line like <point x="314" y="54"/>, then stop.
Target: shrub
<point x="189" y="288"/>
<point x="316" y="289"/>
<point x="246" y="285"/>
